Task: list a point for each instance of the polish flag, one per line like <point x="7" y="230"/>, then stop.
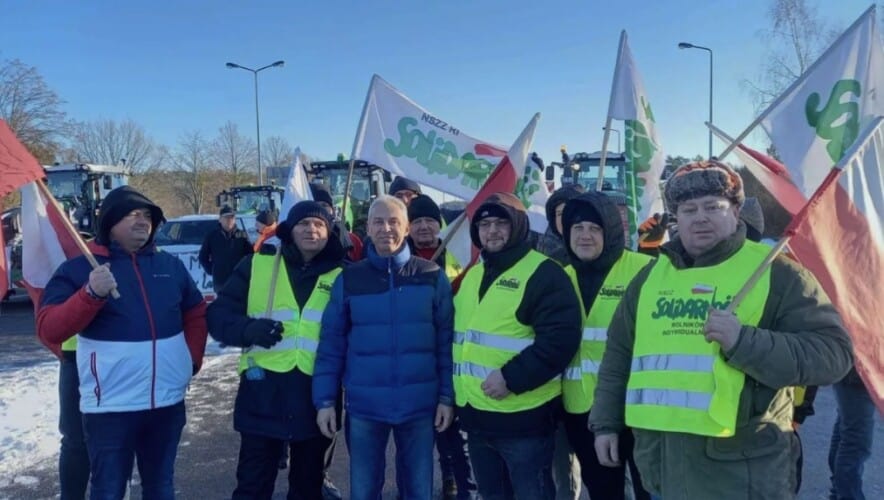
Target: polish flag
<point x="773" y="175"/>
<point x="838" y="236"/>
<point x="503" y="179"/>
<point x="46" y="243"/>
<point x="17" y="168"/>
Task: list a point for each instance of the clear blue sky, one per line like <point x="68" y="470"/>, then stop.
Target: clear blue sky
<point x="485" y="66"/>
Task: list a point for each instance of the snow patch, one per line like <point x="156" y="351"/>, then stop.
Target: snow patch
<point x="28" y="418"/>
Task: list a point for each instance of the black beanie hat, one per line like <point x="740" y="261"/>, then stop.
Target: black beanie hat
<point x="266" y="217"/>
<point x="119" y="203"/>
<point x="400" y="183"/>
<point x="583" y="212"/>
<point x="301" y="210"/>
<point x="424" y="206"/>
<point x="752" y="214"/>
<point x="321" y="193"/>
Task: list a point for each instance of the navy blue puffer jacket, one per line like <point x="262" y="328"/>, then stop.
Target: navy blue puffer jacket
<point x="386" y="334"/>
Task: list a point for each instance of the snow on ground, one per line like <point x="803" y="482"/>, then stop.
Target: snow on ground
<point x="29" y="409"/>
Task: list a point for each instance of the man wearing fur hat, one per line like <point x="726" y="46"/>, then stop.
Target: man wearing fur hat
<point x="137" y="353"/>
<point x="273" y="410"/>
<point x="708" y="393"/>
<point x="517" y="320"/>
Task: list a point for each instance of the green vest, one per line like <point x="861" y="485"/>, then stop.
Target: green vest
<point x="679" y="382"/>
<point x="69" y="344"/>
<point x="297" y="349"/>
<point x="488" y="334"/>
<point x="581" y="376"/>
<point x="452" y="266"/>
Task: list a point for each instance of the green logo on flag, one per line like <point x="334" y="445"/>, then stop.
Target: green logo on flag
<point x="528" y="184"/>
<point x="437" y="155"/>
<point x="640" y="150"/>
<point x="844" y="113"/>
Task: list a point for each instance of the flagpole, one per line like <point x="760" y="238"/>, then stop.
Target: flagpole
<point x="607" y="135"/>
<point x="78" y="240"/>
<point x="360" y="132"/>
<point x="453" y="228"/>
<point x="794" y="85"/>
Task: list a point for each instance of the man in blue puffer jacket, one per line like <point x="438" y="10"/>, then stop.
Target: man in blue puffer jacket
<point x="387" y="334"/>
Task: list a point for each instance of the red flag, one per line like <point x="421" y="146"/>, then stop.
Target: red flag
<point x="46" y="241"/>
<point x="773" y="175"/>
<point x="502" y="180"/>
<point x="4" y="267"/>
<point x="17" y="166"/>
<point x="838" y="237"/>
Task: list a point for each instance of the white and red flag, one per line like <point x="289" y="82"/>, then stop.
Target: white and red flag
<point x="505" y="178"/>
<point x="46" y="243"/>
<point x="839" y="237"/>
<point x="17" y="168"/>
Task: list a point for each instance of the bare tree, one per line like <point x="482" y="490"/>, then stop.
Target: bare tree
<point x="107" y="142"/>
<point x="233" y="152"/>
<point x="192" y="169"/>
<point x="796" y="38"/>
<point x="277" y="152"/>
<point x="31" y="109"/>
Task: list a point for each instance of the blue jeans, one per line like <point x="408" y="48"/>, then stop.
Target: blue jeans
<point x="114" y="441"/>
<point x="367" y="442"/>
<point x="453" y="460"/>
<point x="73" y="459"/>
<point x="851" y="438"/>
<point x="518" y="467"/>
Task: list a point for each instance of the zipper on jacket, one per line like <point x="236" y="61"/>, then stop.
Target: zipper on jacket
<point x="393" y="328"/>
<point x="153" y="335"/>
<point x="93" y="367"/>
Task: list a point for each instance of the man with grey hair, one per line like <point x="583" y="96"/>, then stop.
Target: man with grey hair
<point x="387" y="334"/>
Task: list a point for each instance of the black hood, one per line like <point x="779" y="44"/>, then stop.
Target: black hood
<point x="500" y="205"/>
<point x="558" y="197"/>
<point x="612" y="224"/>
<point x="117" y="204"/>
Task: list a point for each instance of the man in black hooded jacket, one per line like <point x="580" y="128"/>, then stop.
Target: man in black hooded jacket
<point x="274" y="406"/>
<point x="517" y="324"/>
<point x="600" y="269"/>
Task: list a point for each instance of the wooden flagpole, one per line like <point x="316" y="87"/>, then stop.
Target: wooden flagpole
<point x="455" y="226"/>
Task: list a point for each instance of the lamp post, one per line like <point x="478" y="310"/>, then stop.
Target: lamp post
<point x="619" y="151"/>
<point x="257" y="118"/>
<point x="685" y="45"/>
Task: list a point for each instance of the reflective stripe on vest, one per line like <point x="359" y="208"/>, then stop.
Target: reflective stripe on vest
<point x="488" y="335"/>
<point x="578" y="385"/>
<point x="300" y="339"/>
<point x="679" y="382"/>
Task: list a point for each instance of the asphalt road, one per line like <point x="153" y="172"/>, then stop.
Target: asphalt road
<point x="207" y="458"/>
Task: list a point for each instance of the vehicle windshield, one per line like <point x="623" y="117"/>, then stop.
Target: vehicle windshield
<point x="336" y="180"/>
<point x="252" y="201"/>
<point x="187" y="232"/>
<point x="65" y="184"/>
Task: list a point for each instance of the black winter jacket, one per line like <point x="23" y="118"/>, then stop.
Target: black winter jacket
<point x="279" y="406"/>
<point x="222" y="251"/>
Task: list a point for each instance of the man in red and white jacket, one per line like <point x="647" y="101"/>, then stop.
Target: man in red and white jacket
<point x="136" y="354"/>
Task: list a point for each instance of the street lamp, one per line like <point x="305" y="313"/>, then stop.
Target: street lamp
<point x="619" y="151"/>
<point x="257" y="119"/>
<point x="685" y="45"/>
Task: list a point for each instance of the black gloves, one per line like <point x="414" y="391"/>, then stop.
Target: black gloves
<point x="262" y="332"/>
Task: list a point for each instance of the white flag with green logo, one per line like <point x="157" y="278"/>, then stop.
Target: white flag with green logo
<point x="644" y="154"/>
<point x="817" y="119"/>
<point x="403" y="138"/>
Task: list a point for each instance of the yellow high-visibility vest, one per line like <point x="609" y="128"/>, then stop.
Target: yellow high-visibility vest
<point x="300" y="339"/>
<point x="679" y="382"/>
<point x="488" y="334"/>
<point x="581" y="376"/>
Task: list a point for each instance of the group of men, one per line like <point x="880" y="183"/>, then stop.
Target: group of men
<point x="638" y="361"/>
